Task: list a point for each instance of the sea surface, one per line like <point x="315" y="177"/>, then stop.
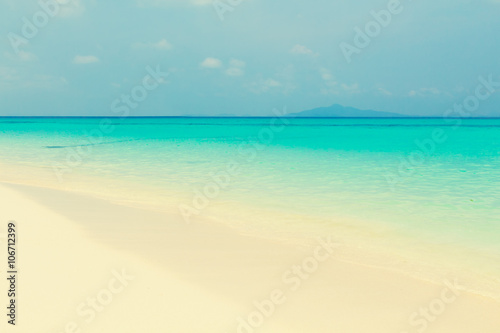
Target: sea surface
<point x="420" y="195"/>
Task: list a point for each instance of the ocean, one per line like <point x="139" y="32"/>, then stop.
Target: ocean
<point x="417" y="194"/>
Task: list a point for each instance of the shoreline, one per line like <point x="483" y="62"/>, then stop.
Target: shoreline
<point x="225" y="271"/>
<point x="365" y="244"/>
<point x="362" y="244"/>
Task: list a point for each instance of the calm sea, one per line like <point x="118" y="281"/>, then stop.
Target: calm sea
<point x="415" y="188"/>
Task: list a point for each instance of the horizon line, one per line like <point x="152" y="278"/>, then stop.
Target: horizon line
<point x="239" y="117"/>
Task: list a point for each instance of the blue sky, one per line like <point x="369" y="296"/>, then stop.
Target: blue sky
<point x="262" y="55"/>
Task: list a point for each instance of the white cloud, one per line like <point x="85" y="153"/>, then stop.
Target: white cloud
<point x="424" y="92"/>
<point x="272" y="83"/>
<point x="167" y="3"/>
<point x="264" y="85"/>
<point x="160" y="45"/>
<point x="21" y="55"/>
<point x="384" y="91"/>
<point x="333" y="87"/>
<point x="237" y="63"/>
<point x="211" y="63"/>
<point x="8" y="76"/>
<point x="26" y="56"/>
<point x="287" y="77"/>
<point x="282" y="82"/>
<point x="352" y="88"/>
<point x="46" y="82"/>
<point x="202" y="2"/>
<point x="326" y="75"/>
<point x="235" y="71"/>
<point x="82" y="60"/>
<point x="11" y="79"/>
<point x="70" y="8"/>
<point x="301" y="49"/>
<point x="236" y="68"/>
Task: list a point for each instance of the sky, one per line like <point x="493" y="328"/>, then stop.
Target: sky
<point x="245" y="57"/>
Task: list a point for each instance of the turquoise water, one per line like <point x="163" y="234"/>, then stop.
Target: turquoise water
<point x="424" y="185"/>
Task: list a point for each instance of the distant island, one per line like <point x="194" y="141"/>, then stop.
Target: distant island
<point x="338" y="110"/>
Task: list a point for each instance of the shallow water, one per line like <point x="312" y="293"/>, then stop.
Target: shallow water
<point x="419" y="185"/>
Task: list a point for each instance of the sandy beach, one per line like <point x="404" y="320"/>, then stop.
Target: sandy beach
<point x="229" y="166"/>
<point x="86" y="265"/>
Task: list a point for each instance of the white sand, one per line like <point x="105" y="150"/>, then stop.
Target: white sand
<point x="199" y="278"/>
